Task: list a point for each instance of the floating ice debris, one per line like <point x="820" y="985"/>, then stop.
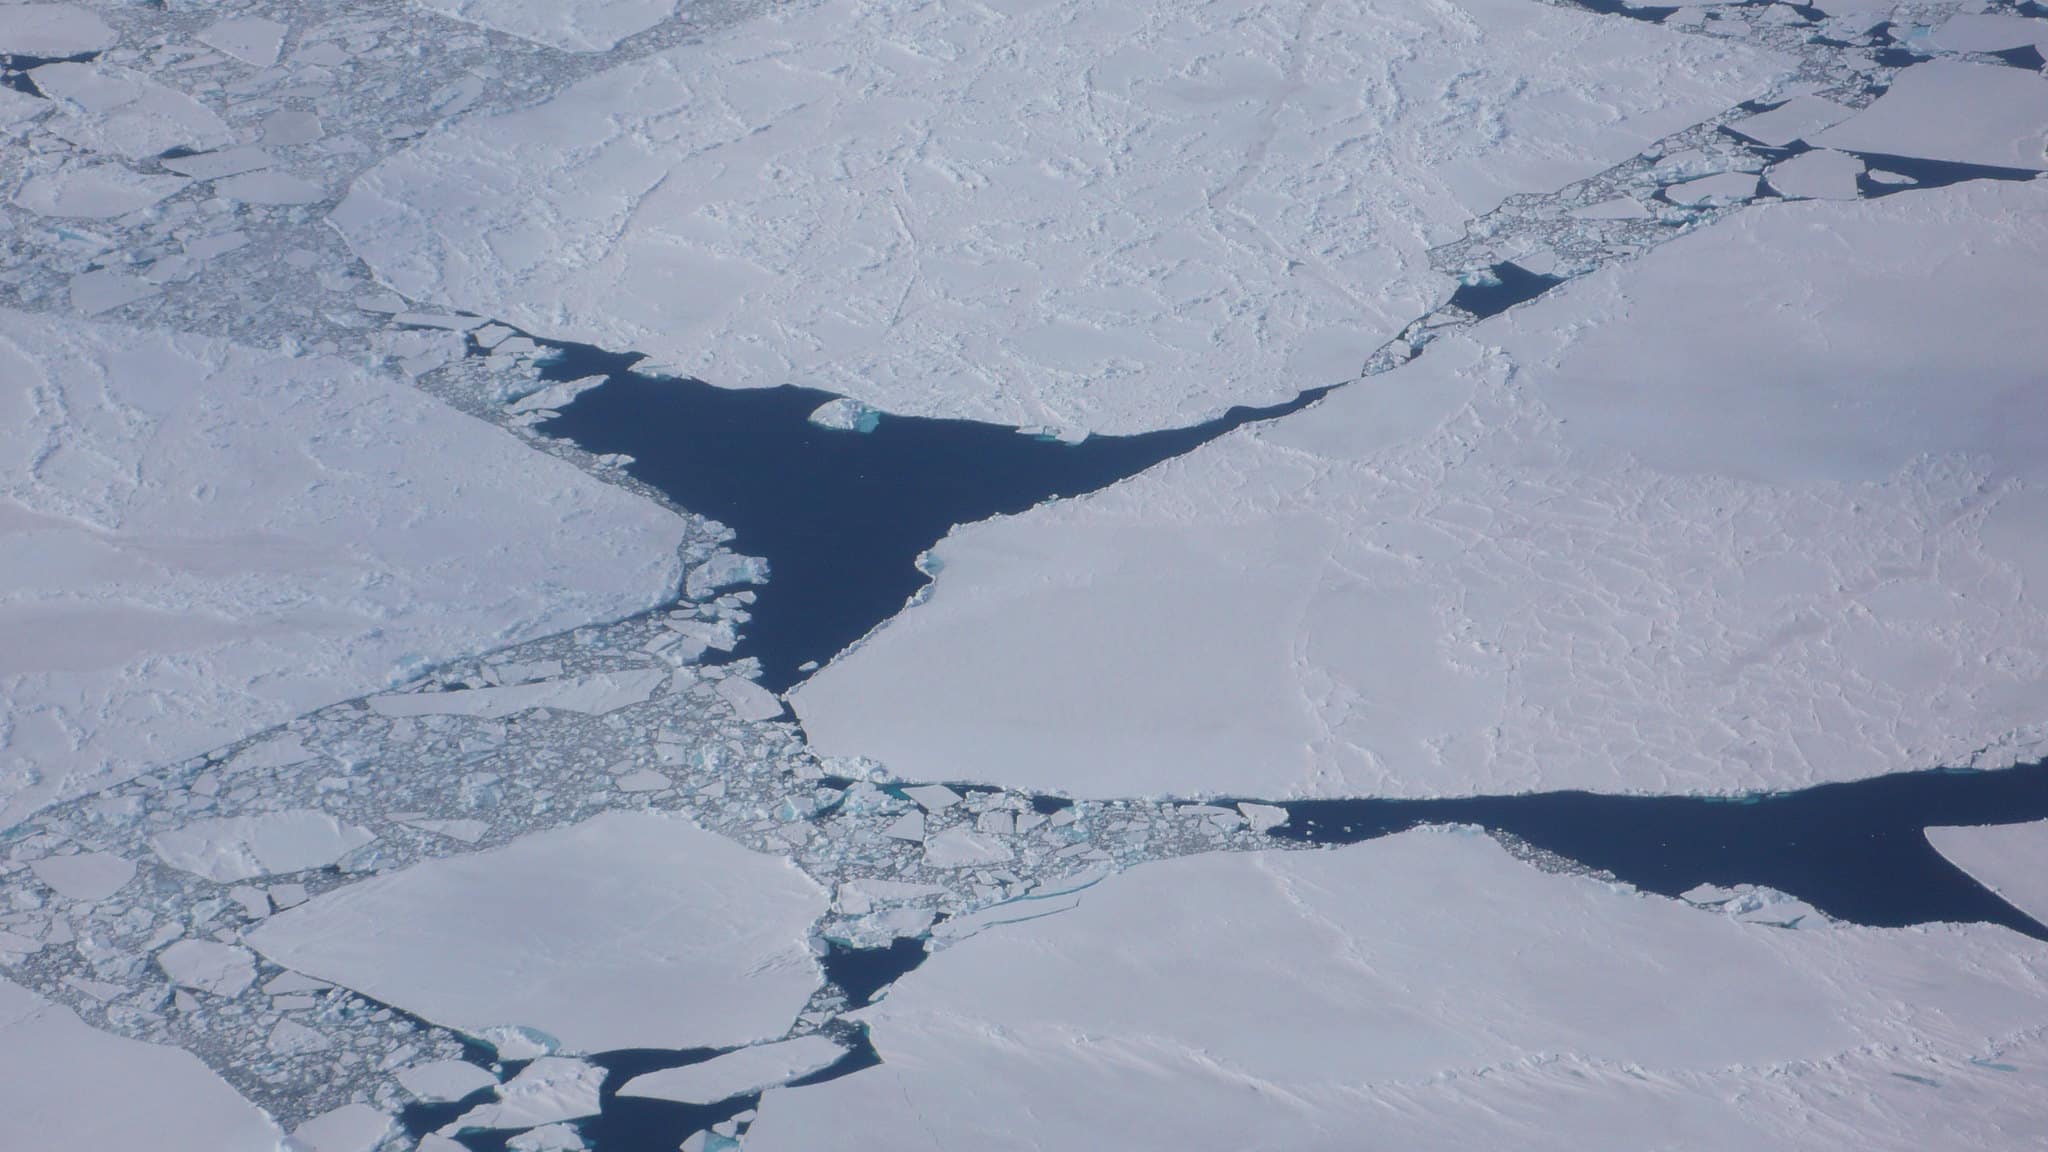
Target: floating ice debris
<point x="723" y="571"/>
<point x="747" y="1070"/>
<point x="846" y="415"/>
<point x="550" y="1089"/>
<point x="209" y="966"/>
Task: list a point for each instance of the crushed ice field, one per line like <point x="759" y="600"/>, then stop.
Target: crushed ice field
<point x="1505" y="609"/>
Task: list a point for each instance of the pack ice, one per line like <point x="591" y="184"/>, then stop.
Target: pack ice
<point x="1080" y="216"/>
<point x="1762" y="510"/>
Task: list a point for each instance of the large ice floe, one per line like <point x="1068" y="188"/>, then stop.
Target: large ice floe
<point x="624" y="931"/>
<point x="199" y="539"/>
<point x="1086" y="217"/>
<point x="1762" y="510"/>
<point x="1428" y="991"/>
<point x="2011" y="860"/>
<point x="77" y="1087"/>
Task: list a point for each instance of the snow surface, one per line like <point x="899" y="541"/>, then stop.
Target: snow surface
<point x="67" y="1085"/>
<point x="1427" y="991"/>
<point x="2009" y="859"/>
<point x="1076" y="216"/>
<point x="629" y="930"/>
<point x="570" y="25"/>
<point x="199" y="539"/>
<point x="1763" y="509"/>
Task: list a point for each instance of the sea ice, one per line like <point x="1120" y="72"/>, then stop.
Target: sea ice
<point x="66" y="1085"/>
<point x="1076" y="216"/>
<point x="86" y="191"/>
<point x="1428" y="991"/>
<point x="629" y="930"/>
<point x="208" y="966"/>
<point x="202" y="539"/>
<point x="349" y="1128"/>
<point x="1948" y="110"/>
<point x="549" y="1090"/>
<point x="592" y="695"/>
<point x="254" y="40"/>
<point x="245" y="847"/>
<point x="1763" y="509"/>
<point x="51" y="30"/>
<point x="84" y="875"/>
<point x="747" y="1070"/>
<point x="123" y="113"/>
<point x="570" y="25"/>
<point x="2009" y="859"/>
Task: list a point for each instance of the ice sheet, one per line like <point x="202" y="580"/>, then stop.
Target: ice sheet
<point x="1761" y="510"/>
<point x="629" y="930"/>
<point x="1074" y="216"/>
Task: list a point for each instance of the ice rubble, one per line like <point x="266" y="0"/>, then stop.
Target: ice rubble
<point x="79" y="1088"/>
<point x="624" y="931"/>
<point x="1761" y="510"/>
<point x="203" y="538"/>
<point x="1065" y="215"/>
<point x="2011" y="860"/>
<point x="1426" y="991"/>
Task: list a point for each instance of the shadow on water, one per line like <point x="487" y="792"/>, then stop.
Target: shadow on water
<point x="1856" y="851"/>
<point x="841" y="516"/>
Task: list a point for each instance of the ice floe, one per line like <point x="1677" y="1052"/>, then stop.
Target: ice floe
<point x="1062" y="215"/>
<point x="625" y="931"/>
<point x="1427" y="991"/>
<point x="2009" y="859"/>
<point x="1747" y="514"/>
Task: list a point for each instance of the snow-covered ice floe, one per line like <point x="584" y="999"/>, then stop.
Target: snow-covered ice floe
<point x="2009" y="859"/>
<point x="1074" y="216"/>
<point x="629" y="930"/>
<point x="1764" y="509"/>
<point x="198" y="539"/>
<point x="1428" y="991"/>
<point x="570" y="25"/>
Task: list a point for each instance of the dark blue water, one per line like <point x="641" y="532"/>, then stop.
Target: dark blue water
<point x="1927" y="174"/>
<point x="862" y="972"/>
<point x="1855" y="851"/>
<point x="14" y="70"/>
<point x="840" y="516"/>
<point x="1513" y="284"/>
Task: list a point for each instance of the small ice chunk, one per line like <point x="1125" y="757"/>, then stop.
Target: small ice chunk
<point x="85" y="876"/>
<point x="1795" y="119"/>
<point x="549" y="1090"/>
<point x="208" y="966"/>
<point x="1822" y="174"/>
<point x="349" y="1128"/>
<point x="245" y="847"/>
<point x="749" y="700"/>
<point x="643" y="780"/>
<point x="548" y="1138"/>
<point x="270" y="187"/>
<point x="288" y="126"/>
<point x="909" y="826"/>
<point x="747" y="1070"/>
<point x="1263" y="817"/>
<point x="291" y="1038"/>
<point x="94" y="191"/>
<point x="254" y="901"/>
<point x="846" y="415"/>
<point x="933" y="797"/>
<point x="445" y="1081"/>
<point x="253" y="40"/>
<point x="51" y="30"/>
<point x="557" y="395"/>
<point x="963" y="847"/>
<point x="1619" y="208"/>
<point x="213" y="165"/>
<point x="1720" y="188"/>
<point x="723" y="571"/>
<point x="285" y="749"/>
